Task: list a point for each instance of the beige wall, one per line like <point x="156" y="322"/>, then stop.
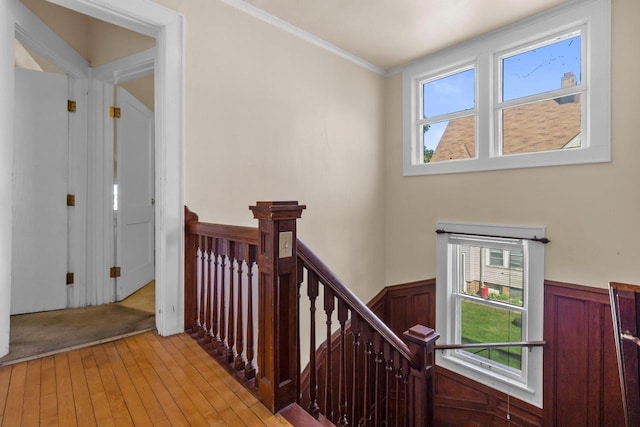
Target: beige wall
<point x="590" y="211"/>
<point x="272" y="117"/>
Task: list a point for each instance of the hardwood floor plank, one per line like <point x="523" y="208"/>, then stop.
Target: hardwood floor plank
<point x="98" y="395"/>
<point x="241" y="401"/>
<point x="48" y="394"/>
<point x="66" y="403"/>
<point x="5" y="377"/>
<point x="84" y="406"/>
<point x="31" y="403"/>
<point x="129" y="393"/>
<point x="13" y="406"/>
<point x="191" y="411"/>
<point x="119" y="410"/>
<point x="196" y="376"/>
<point x="169" y="405"/>
<point x="147" y="398"/>
<point x="143" y="380"/>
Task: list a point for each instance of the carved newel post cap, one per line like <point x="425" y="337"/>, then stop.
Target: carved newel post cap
<point x="277" y="210"/>
<point x="421" y="334"/>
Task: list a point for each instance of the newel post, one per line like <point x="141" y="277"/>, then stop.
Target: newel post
<point x="190" y="273"/>
<point x="421" y="340"/>
<point x="278" y="317"/>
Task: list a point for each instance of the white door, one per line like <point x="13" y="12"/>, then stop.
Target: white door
<point x="135" y="229"/>
<point x="40" y="177"/>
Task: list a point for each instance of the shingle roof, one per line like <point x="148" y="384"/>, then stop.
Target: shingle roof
<point x="541" y="126"/>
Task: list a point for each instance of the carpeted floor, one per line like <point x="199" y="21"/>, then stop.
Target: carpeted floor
<point x="38" y="334"/>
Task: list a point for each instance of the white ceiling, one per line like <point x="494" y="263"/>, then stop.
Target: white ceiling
<point x="391" y="33"/>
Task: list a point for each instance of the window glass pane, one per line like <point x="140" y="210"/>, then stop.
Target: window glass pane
<point x="449" y="140"/>
<point x="515" y="260"/>
<point x="481" y="278"/>
<point x="483" y="323"/>
<point x="449" y="94"/>
<point x="496" y="257"/>
<point x="542" y="69"/>
<point x="552" y="124"/>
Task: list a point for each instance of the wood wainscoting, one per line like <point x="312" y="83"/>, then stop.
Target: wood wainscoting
<point x="581" y="382"/>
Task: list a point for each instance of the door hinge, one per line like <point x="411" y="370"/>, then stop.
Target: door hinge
<point x="69" y="278"/>
<point x="71" y="106"/>
<point x="114" y="112"/>
<point x="114" y="272"/>
<point x="71" y="199"/>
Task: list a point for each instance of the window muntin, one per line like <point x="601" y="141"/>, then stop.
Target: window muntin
<point x="480" y="302"/>
<point x="447" y="119"/>
<point x="579" y="24"/>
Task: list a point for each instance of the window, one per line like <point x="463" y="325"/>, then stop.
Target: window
<point x="528" y="95"/>
<point x="490" y="290"/>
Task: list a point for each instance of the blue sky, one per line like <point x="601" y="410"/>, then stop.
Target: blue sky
<point x="531" y="72"/>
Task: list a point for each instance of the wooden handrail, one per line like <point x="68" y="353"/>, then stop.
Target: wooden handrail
<point x="234" y="233"/>
<point x="490" y="345"/>
<point x="313" y="262"/>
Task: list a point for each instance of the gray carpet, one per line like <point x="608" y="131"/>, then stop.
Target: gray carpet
<point x="41" y="333"/>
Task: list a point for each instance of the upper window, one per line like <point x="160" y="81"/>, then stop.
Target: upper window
<point x="528" y="95"/>
<point x="489" y="290"/>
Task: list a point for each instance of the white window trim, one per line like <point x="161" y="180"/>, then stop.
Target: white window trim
<point x="594" y="16"/>
<point x="529" y="387"/>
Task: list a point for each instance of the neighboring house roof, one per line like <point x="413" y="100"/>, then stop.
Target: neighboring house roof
<point x="542" y="126"/>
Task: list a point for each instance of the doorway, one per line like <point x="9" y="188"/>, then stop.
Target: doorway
<point x="167" y="27"/>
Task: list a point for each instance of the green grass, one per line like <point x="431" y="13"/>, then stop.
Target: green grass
<point x="482" y="323"/>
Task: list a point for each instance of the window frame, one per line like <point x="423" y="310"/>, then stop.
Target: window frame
<point x="527" y="384"/>
<point x="591" y="17"/>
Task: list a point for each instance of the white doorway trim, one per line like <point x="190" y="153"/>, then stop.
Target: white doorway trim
<point x="167" y="27"/>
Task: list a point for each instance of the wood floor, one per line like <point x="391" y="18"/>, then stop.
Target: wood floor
<point x="142" y="380"/>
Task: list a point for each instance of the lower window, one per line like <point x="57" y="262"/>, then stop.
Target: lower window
<point x="489" y="291"/>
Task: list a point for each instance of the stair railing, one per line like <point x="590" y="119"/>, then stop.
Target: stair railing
<point x="363" y="374"/>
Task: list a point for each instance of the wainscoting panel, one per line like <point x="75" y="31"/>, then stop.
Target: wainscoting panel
<point x="581" y="381"/>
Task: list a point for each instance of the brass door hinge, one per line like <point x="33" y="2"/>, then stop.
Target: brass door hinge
<point x="71" y="106"/>
<point x="69" y="278"/>
<point x="71" y="200"/>
<point x="114" y="272"/>
<point x="114" y="112"/>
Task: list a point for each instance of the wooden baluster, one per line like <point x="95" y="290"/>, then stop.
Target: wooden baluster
<point x="202" y="286"/>
<point x="250" y="256"/>
<point x="329" y="306"/>
<point x="312" y="292"/>
<point x="368" y="365"/>
<point x="239" y="360"/>
<point x="405" y="383"/>
<point x="377" y="395"/>
<point x="231" y="323"/>
<point x="356" y="391"/>
<point x="207" y="336"/>
<point x="397" y="388"/>
<point x="216" y="285"/>
<point x="343" y="314"/>
<point x="223" y="270"/>
<point x="388" y="382"/>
